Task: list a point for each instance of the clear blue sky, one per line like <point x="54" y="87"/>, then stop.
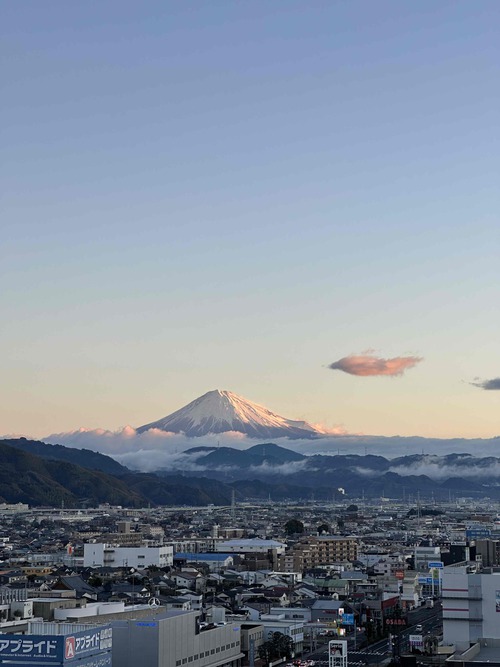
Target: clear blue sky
<point x="222" y="194"/>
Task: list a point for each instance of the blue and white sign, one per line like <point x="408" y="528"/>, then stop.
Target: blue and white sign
<point x="347" y="619"/>
<point x="435" y="564"/>
<point x="56" y="649"/>
<point x="425" y="580"/>
<point x="35" y="648"/>
<point x="477" y="533"/>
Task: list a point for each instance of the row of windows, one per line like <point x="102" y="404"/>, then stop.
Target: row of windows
<point x="205" y="654"/>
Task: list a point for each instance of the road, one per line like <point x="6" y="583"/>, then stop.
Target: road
<point x="430" y="619"/>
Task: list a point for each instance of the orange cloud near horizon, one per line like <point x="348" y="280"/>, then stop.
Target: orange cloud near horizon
<point x="367" y="365"/>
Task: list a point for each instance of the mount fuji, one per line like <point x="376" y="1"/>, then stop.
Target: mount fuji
<point x="222" y="411"/>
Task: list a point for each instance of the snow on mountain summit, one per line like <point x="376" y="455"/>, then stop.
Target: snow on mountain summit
<point x="222" y="411"/>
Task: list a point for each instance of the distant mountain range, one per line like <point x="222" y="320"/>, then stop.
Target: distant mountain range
<point x="370" y="475"/>
<point x="204" y="475"/>
<point x="222" y="412"/>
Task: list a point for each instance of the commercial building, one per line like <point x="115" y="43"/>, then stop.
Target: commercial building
<point x="253" y="546"/>
<point x="101" y="554"/>
<point x="294" y="629"/>
<point x="56" y="645"/>
<point x="426" y="555"/>
<point x="471" y="605"/>
<point x="177" y="639"/>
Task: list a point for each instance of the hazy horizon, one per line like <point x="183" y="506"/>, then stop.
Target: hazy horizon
<point x="297" y="202"/>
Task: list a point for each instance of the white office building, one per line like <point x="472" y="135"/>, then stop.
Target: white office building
<point x="100" y="554"/>
<point x="471" y="605"/>
<point x="256" y="546"/>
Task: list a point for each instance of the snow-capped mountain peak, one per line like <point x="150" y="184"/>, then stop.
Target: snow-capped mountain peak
<point x="220" y="411"/>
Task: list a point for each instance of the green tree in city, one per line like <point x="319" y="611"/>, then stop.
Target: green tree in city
<point x="277" y="646"/>
<point x="294" y="526"/>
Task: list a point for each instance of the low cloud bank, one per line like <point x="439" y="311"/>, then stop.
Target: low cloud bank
<point x="438" y="469"/>
<point x="156" y="449"/>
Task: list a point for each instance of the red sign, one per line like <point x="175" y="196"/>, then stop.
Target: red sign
<point x="69" y="648"/>
<point x="395" y="621"/>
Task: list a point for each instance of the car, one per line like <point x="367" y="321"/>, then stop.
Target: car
<point x="419" y="627"/>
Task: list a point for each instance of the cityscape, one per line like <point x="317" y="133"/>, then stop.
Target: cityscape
<point x="255" y="582"/>
<point x="249" y="366"/>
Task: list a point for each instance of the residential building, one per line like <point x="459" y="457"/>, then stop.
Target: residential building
<point x="322" y="550"/>
<point x="488" y="552"/>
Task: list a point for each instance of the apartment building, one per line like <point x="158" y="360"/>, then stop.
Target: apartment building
<point x="488" y="551"/>
<point x="321" y="550"/>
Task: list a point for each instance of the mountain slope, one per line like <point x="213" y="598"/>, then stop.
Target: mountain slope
<point x="222" y="411"/>
<point x="82" y="457"/>
<point x="27" y="478"/>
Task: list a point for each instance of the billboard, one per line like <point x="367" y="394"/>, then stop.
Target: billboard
<point x="99" y="660"/>
<point x="87" y="643"/>
<point x="337" y="653"/>
<point x="36" y="648"/>
<point x="416" y="641"/>
<point x="337" y="647"/>
<point x="474" y="533"/>
<point x="347" y="619"/>
<point x="56" y="649"/>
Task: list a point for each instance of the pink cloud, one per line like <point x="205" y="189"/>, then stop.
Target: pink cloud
<point x="366" y="365"/>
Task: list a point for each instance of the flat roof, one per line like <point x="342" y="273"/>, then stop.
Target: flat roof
<point x="205" y="556"/>
<point x="489" y="654"/>
<point x="252" y="543"/>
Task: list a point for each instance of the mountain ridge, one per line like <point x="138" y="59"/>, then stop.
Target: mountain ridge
<point x="87" y="458"/>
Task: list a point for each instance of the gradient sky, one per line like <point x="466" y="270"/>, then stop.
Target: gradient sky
<point x="234" y="195"/>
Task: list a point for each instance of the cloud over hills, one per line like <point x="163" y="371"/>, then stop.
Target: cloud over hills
<point x="156" y="449"/>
